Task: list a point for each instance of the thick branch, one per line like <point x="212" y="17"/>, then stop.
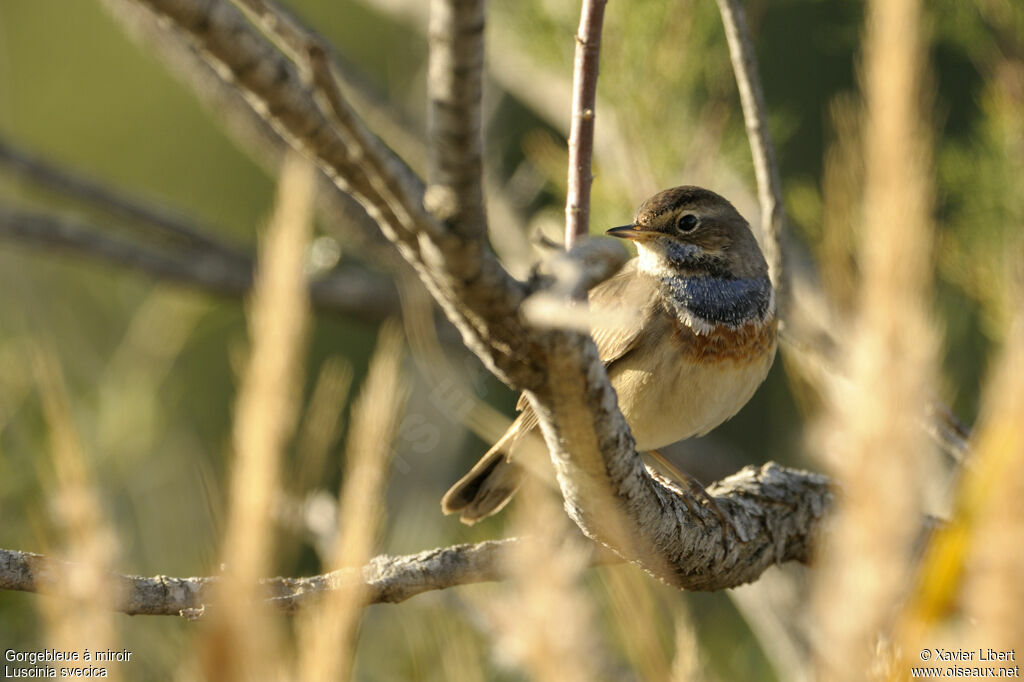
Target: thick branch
<point x="455" y="89"/>
<point x="581" y="135"/>
<point x="650" y="522"/>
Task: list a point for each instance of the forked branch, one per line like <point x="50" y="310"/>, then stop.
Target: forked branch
<point x="591" y="446"/>
<point x="560" y="371"/>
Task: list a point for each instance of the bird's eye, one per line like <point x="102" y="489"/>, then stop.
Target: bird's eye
<point x="687" y="223"/>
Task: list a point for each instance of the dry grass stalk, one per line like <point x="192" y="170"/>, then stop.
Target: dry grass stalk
<point x="841" y="194"/>
<point x="240" y="642"/>
<point x="971" y="567"/>
<point x="327" y="632"/>
<point x="15" y="379"/>
<point x="686" y="666"/>
<point x="129" y="412"/>
<point x="321" y="422"/>
<point x="78" y="618"/>
<point x="994" y="591"/>
<point x="462" y="656"/>
<point x="458" y="396"/>
<point x="637" y="620"/>
<point x="873" y="443"/>
<point x="305" y="511"/>
<point x="545" y="621"/>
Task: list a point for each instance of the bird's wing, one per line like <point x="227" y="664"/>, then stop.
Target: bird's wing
<point x="619" y="305"/>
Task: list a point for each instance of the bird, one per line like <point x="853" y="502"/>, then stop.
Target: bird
<point x="701" y="341"/>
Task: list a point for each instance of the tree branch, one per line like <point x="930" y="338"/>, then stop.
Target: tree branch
<point x="362" y="166"/>
<point x="347" y="290"/>
<point x="387" y="578"/>
<point x="591" y="446"/>
<point x="252" y="133"/>
<point x="778" y="512"/>
<point x="548" y="94"/>
<point x="74" y="186"/>
<point x="766" y="167"/>
<point x="208" y="271"/>
<point x="584" y="105"/>
<point x="652" y="524"/>
<point x="455" y="89"/>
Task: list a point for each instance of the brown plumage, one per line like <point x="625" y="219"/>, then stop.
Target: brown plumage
<point x="703" y="341"/>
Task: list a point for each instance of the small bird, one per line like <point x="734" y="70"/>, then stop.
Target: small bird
<point x="703" y="341"/>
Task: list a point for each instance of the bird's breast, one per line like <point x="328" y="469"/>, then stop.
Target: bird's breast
<point x="684" y="383"/>
<point x="723" y="343"/>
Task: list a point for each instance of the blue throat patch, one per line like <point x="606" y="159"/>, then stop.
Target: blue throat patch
<point x="720" y="300"/>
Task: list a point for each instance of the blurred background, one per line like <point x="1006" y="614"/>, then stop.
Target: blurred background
<point x="152" y="367"/>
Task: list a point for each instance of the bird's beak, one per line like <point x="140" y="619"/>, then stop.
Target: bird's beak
<point x="630" y="232"/>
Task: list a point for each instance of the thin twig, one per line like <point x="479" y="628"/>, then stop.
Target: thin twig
<point x="766" y="167"/>
<point x="386" y="172"/>
<point x="581" y="135"/>
<point x="310" y="50"/>
<point x="945" y="428"/>
<point x="392" y="187"/>
<point x="389" y="579"/>
<point x="77" y="187"/>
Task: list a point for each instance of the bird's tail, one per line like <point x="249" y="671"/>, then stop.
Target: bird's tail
<point x="489" y="485"/>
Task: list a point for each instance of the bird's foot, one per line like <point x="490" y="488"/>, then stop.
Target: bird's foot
<point x="697" y="490"/>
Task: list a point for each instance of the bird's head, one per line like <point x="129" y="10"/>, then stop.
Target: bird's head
<point x="692" y="232"/>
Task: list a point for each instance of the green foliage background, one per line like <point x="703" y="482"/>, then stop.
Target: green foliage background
<point x="154" y="413"/>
